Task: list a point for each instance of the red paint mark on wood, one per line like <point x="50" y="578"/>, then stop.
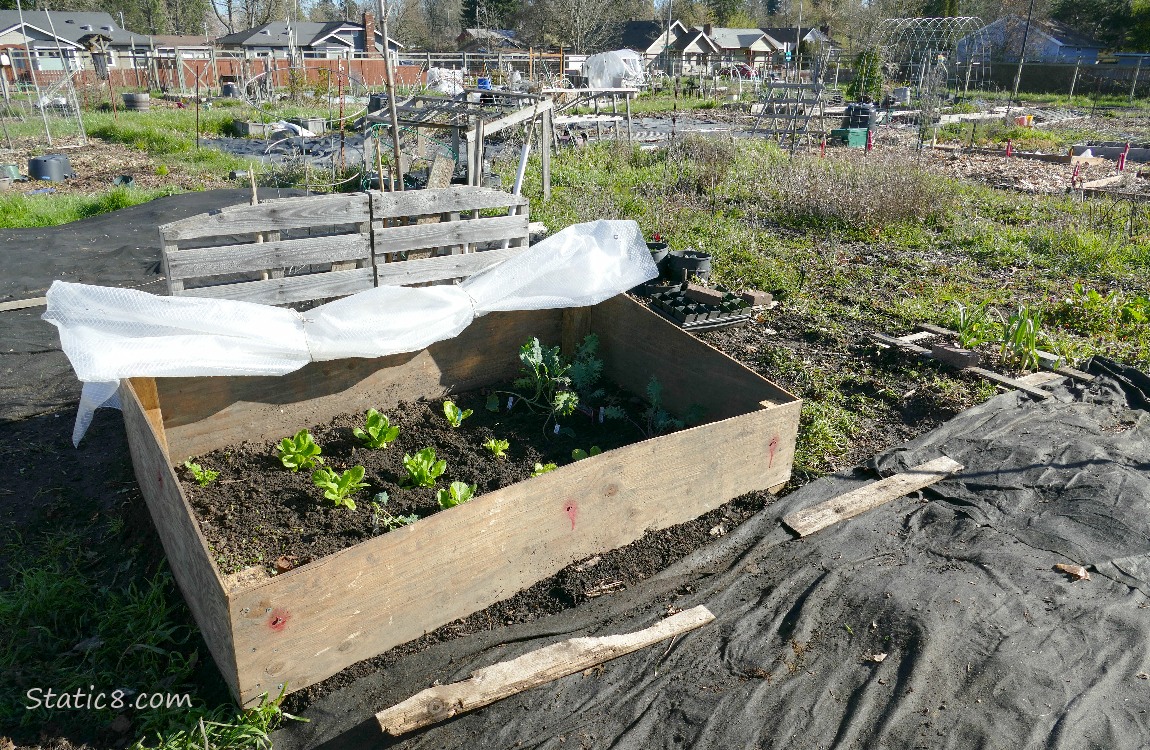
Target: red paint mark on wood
<point x="571" y="508"/>
<point x="773" y="445"/>
<point x="159" y="477"/>
<point x="278" y="619"/>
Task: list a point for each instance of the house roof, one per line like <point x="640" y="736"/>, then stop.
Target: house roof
<point x="492" y="37"/>
<point x="279" y="34"/>
<point x="641" y="35"/>
<point x="180" y="40"/>
<point x="695" y="39"/>
<point x="736" y="38"/>
<point x="70" y="27"/>
<point x="1066" y="35"/>
<point x="786" y="35"/>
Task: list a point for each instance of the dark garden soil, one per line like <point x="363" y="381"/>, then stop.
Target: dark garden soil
<point x="258" y="512"/>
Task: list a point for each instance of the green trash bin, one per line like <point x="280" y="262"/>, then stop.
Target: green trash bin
<point x="850" y="137"/>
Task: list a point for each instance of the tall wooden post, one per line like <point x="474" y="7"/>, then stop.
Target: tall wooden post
<point x="390" y="72"/>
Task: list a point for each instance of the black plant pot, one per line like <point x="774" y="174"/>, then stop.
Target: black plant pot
<point x="658" y="251"/>
<point x="685" y="264"/>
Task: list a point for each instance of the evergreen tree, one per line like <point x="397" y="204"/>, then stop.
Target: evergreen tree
<point x="488" y="14"/>
<point x="867" y="82"/>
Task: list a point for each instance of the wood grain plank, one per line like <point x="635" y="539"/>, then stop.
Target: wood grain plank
<point x="441" y="267"/>
<point x="202" y="414"/>
<point x="848" y="505"/>
<point x="440" y="201"/>
<point x="492" y="547"/>
<point x="1008" y="382"/>
<point x="226" y="259"/>
<point x="290" y="213"/>
<point x="534" y="668"/>
<point x="184" y="546"/>
<point x="23" y="304"/>
<point x="291" y="288"/>
<point x="425" y="236"/>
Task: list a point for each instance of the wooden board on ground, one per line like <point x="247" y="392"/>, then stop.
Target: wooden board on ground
<point x="538" y="667"/>
<point x="809" y="520"/>
<point x="302" y="626"/>
<point x="23" y="304"/>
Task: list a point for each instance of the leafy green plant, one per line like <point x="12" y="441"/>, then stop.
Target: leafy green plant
<point x="1021" y="336"/>
<point x="974" y="326"/>
<point x="382" y="519"/>
<point x="542" y="469"/>
<point x="300" y="451"/>
<point x="340" y="487"/>
<point x="498" y="448"/>
<point x="658" y="419"/>
<point x="377" y="431"/>
<point x="454" y="414"/>
<point x="200" y="474"/>
<point x="422" y="468"/>
<point x="545" y="383"/>
<point x="579" y="454"/>
<point x="457" y="493"/>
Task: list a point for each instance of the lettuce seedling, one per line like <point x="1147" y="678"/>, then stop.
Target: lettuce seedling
<point x="542" y="469"/>
<point x="340" y="487"/>
<point x="200" y="474"/>
<point x="381" y="518"/>
<point x="422" y="468"/>
<point x="300" y="451"/>
<point x="454" y="414"/>
<point x="377" y="431"/>
<point x="498" y="448"/>
<point x="579" y="454"/>
<point x="456" y="494"/>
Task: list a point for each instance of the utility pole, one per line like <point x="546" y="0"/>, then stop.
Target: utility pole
<point x="1021" y="58"/>
<point x="390" y="73"/>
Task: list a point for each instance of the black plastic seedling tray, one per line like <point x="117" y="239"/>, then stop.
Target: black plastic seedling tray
<point x="690" y="315"/>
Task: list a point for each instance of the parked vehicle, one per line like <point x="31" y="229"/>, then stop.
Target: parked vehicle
<point x="739" y="70"/>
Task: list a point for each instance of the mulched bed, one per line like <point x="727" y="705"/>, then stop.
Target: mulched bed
<point x="257" y="511"/>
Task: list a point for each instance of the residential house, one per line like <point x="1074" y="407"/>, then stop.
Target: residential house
<point x="806" y="37"/>
<point x="46" y="42"/>
<point x="656" y="43"/>
<point x="332" y="39"/>
<point x="1046" y="41"/>
<point x="751" y="46"/>
<point x="487" y="40"/>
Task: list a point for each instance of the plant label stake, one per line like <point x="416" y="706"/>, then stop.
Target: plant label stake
<point x="1009" y="148"/>
<point x="1122" y="158"/>
<point x="823" y="148"/>
<point x="869" y="140"/>
<point x="1074" y="177"/>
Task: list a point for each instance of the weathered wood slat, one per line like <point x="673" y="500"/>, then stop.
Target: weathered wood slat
<point x="537" y="667"/>
<point x="422" y="236"/>
<point x="848" y="505"/>
<point x="448" y="200"/>
<point x="225" y="259"/>
<point x="23" y="304"/>
<point x="295" y="213"/>
<point x="291" y="288"/>
<point x="441" y="267"/>
<point x="1008" y="381"/>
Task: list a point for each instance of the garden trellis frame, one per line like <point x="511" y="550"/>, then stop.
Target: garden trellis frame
<point x="922" y="49"/>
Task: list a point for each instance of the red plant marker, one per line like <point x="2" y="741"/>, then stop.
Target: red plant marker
<point x="869" y="140"/>
<point x="1074" y="177"/>
<point x="278" y="619"/>
<point x="823" y="148"/>
<point x="774" y="444"/>
<point x="571" y="509"/>
<point x="1009" y="148"/>
<point x="1122" y="157"/>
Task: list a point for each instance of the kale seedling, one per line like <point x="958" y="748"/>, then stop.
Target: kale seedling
<point x="579" y="454"/>
<point x="542" y="469"/>
<point x="456" y="494"/>
<point x="300" y="451"/>
<point x="340" y="487"/>
<point x="377" y="431"/>
<point x="381" y="518"/>
<point x="422" y="468"/>
<point x="498" y="448"/>
<point x="454" y="414"/>
<point x="200" y="474"/>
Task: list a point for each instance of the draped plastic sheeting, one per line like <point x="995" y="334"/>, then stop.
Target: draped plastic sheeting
<point x="611" y="70"/>
<point x="110" y="333"/>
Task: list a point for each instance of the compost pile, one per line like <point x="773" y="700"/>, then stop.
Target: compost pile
<point x="936" y="621"/>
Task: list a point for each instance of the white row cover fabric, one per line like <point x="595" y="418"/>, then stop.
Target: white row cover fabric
<point x="110" y="333"/>
<point x="612" y="70"/>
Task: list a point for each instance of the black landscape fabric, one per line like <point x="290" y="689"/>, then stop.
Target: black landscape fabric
<point x="120" y="249"/>
<point x="986" y="645"/>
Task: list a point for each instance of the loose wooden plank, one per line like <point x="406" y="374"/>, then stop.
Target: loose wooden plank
<point x="1046" y="359"/>
<point x="527" y="113"/>
<point x="446" y="200"/>
<point x="882" y="338"/>
<point x="22" y="304"/>
<point x="848" y="505"/>
<point x="291" y="288"/>
<point x="293" y="213"/>
<point x="424" y="236"/>
<point x="535" y="668"/>
<point x="184" y="546"/>
<point x="440" y="267"/>
<point x="1008" y="381"/>
<point x="226" y="259"/>
<point x="910" y="338"/>
<point x="1041" y="377"/>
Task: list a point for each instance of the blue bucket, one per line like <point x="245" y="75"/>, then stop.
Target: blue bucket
<point x="483" y="83"/>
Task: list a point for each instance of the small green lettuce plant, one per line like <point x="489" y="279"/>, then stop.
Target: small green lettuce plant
<point x="579" y="454"/>
<point x="457" y="493"/>
<point x="300" y="451"/>
<point x="454" y="414"/>
<point x="542" y="469"/>
<point x="498" y="448"/>
<point x="200" y="474"/>
<point x="422" y="468"/>
<point x="382" y="519"/>
<point x="377" y="431"/>
<point x="340" y="487"/>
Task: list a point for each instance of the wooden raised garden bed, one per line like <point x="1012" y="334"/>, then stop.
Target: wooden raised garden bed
<point x="302" y="626"/>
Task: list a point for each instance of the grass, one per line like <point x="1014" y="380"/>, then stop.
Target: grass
<point x="18" y="210"/>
